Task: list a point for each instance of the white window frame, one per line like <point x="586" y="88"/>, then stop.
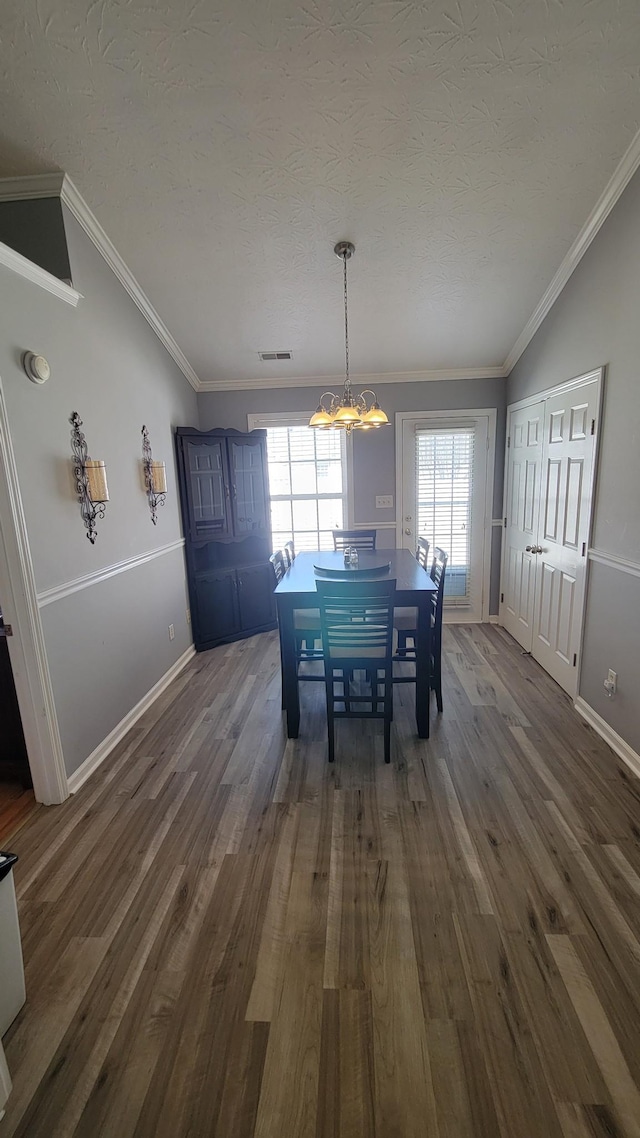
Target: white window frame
<point x="455" y="614"/>
<point x="266" y="419"/>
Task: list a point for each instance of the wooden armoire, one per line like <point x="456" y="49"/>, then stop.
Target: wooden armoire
<point x="224" y="491"/>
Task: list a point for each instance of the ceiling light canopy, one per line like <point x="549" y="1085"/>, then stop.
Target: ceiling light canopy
<point x="347" y="411"/>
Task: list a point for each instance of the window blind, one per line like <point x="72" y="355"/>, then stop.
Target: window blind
<point x="444" y="469"/>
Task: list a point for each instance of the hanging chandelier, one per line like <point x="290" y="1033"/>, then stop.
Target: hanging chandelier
<point x="347" y="411"/>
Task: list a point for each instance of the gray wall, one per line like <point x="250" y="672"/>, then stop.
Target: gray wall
<point x="595" y="321"/>
<point x="36" y="229"/>
<point x="374" y="451"/>
<point x="107" y="644"/>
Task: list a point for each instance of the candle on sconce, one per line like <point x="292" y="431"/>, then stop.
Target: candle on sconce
<point x="97" y="480"/>
<point x="158" y="477"/>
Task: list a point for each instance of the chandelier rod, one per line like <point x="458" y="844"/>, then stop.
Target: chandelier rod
<point x="347" y="382"/>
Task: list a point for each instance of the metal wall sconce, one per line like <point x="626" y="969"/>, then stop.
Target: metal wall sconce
<point x="90" y="477"/>
<point x="155" y="477"/>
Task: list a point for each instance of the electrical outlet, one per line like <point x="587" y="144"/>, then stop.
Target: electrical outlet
<point x="611" y="682"/>
<point x="384" y="501"/>
<point x="172" y="632"/>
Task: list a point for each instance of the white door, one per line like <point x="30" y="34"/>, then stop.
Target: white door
<point x="525" y="431"/>
<point x="447" y="469"/>
<point x="565" y="511"/>
<point x="549" y="488"/>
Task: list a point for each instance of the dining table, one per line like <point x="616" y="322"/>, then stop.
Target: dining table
<point x="297" y="590"/>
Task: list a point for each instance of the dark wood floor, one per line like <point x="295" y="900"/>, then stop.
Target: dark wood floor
<point x="16" y="805"/>
<point x="226" y="936"/>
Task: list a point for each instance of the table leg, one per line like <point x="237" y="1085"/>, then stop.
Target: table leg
<point x="290" y="694"/>
<point x="423" y="668"/>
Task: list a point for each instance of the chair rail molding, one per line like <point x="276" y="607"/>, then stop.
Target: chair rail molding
<point x="614" y="562"/>
<point x="49" y="596"/>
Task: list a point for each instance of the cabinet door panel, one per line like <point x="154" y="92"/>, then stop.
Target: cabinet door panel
<point x="217" y="613"/>
<point x="249" y="491"/>
<point x="255" y="592"/>
<point x="207" y="487"/>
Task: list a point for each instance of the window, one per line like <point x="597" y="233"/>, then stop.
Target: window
<point x="307" y="483"/>
<point x="444" y="470"/>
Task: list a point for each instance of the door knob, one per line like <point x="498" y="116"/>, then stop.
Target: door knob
<point x="407" y="531"/>
<point x="530" y="548"/>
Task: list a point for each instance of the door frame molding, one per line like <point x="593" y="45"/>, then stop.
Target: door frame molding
<point x="491" y="414"/>
<point x="596" y="375"/>
<point x="27" y="647"/>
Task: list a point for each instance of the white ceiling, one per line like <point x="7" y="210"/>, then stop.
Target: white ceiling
<point x="226" y="145"/>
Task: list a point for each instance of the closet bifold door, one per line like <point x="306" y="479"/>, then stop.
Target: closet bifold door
<point x="550" y="469"/>
<point x="524" y="463"/>
<point x="563" y="530"/>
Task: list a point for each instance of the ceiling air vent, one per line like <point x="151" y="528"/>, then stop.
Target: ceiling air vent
<point x="266" y="356"/>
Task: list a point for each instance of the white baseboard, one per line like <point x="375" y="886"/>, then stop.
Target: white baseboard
<point x="493" y="618"/>
<point x="90" y="764"/>
<point x="606" y="732"/>
<point x="5" y="1082"/>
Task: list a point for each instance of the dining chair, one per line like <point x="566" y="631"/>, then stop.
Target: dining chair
<point x="438" y="571"/>
<point x="289" y="552"/>
<point x="357" y="636"/>
<point x="279" y="565"/>
<point x="306" y="622"/>
<point x="354" y="539"/>
<point x="406" y="654"/>
<point x="405" y="620"/>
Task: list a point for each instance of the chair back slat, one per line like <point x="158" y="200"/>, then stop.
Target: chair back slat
<point x="356" y="619"/>
<point x="279" y="566"/>
<point x="422" y="552"/>
<point x="438" y="565"/>
<point x="438" y="572"/>
<point x="354" y="538"/>
<point x="289" y="554"/>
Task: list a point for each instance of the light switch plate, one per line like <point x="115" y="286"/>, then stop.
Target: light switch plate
<point x="384" y="501"/>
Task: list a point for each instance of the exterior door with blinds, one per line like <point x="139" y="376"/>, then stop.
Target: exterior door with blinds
<point x="445" y="498"/>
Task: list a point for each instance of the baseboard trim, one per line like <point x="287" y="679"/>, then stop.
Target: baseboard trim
<point x="493" y="618"/>
<point x="606" y="732"/>
<point x="93" y="761"/>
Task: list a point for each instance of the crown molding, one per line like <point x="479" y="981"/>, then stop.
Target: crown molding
<point x="31" y="272"/>
<point x="51" y="185"/>
<point x="80" y="210"/>
<point x="622" y="176"/>
<point x="60" y="185"/>
<point x="364" y="380"/>
<point x="31" y="186"/>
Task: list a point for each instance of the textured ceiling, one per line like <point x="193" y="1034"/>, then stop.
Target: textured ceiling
<point x="225" y="145"/>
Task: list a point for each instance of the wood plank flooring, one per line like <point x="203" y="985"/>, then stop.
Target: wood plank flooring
<point x="226" y="936"/>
